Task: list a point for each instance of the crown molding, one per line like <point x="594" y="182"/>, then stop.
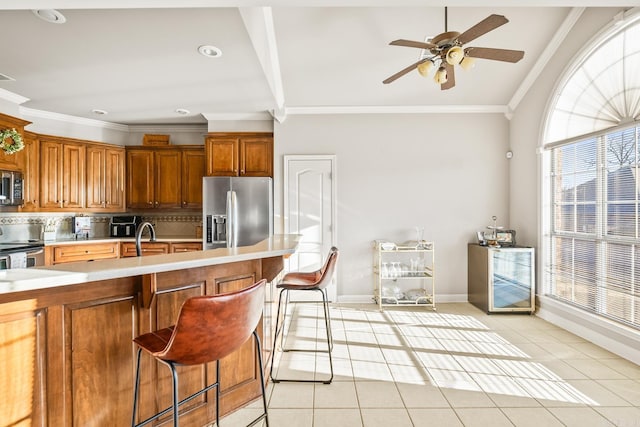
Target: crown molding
<point x="188" y="128"/>
<point x="262" y="115"/>
<point x="401" y="109"/>
<point x="12" y="97"/>
<point x="73" y="119"/>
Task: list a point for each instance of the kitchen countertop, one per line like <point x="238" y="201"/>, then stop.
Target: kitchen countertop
<point x="26" y="279"/>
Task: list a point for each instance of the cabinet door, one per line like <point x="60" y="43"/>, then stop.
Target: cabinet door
<point x="222" y="156"/>
<point x="148" y="248"/>
<point x="193" y="165"/>
<point x="168" y="179"/>
<point x="31" y="169"/>
<point x="256" y="157"/>
<point x="73" y="176"/>
<point x="50" y="178"/>
<point x="185" y="247"/>
<point x="84" y="252"/>
<point x="95" y="177"/>
<point x="114" y="179"/>
<point x="22" y="371"/>
<point x="140" y="182"/>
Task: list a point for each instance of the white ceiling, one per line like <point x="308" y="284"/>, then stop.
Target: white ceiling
<point x="140" y="63"/>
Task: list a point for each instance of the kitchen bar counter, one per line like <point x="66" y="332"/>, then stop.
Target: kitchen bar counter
<point x="18" y="280"/>
<point x="66" y="335"/>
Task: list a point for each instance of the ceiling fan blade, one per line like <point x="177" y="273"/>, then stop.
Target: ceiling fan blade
<point x="489" y="23"/>
<point x="403" y="72"/>
<point x="411" y="43"/>
<point x="451" y="77"/>
<point x="506" y="55"/>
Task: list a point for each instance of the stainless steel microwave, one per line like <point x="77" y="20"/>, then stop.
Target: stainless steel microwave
<point x="11" y="188"/>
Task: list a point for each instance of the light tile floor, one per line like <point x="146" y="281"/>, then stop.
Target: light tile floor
<point x="456" y="366"/>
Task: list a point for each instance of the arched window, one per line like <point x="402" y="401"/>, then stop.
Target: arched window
<point x="591" y="195"/>
<point x="602" y="88"/>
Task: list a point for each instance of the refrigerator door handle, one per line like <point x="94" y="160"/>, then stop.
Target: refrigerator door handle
<point x="232" y="219"/>
<point x="229" y="223"/>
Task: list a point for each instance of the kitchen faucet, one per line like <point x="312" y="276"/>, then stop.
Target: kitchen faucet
<point x="152" y="237"/>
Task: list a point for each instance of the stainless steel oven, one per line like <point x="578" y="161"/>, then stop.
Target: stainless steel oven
<point x="20" y="255"/>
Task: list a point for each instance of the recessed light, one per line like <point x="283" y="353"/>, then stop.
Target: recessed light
<point x="210" y="51"/>
<point x="99" y="112"/>
<point x="182" y="111"/>
<point x="50" y="15"/>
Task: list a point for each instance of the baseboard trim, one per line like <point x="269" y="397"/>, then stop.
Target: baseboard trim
<point x="618" y="339"/>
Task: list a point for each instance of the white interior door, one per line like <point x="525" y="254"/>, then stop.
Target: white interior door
<point x="310" y="210"/>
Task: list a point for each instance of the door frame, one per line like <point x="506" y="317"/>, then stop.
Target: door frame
<point x="334" y="202"/>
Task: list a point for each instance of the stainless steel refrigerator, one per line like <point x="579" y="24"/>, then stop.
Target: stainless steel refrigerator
<point x="237" y="211"/>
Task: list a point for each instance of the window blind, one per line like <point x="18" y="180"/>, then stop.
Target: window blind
<point x="593" y="236"/>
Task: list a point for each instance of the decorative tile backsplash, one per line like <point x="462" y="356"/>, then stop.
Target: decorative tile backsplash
<point x="18" y="226"/>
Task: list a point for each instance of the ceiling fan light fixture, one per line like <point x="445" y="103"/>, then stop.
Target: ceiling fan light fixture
<point x="441" y="75"/>
<point x="455" y="54"/>
<point x="467" y="63"/>
<point x="424" y="68"/>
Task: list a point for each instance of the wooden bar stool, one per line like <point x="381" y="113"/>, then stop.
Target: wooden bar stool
<point x="307" y="281"/>
<point x="208" y="328"/>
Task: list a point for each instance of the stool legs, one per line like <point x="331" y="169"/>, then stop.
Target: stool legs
<point x="279" y="329"/>
<point x="175" y="403"/>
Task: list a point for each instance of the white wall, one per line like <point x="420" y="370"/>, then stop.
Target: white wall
<point x="447" y="173"/>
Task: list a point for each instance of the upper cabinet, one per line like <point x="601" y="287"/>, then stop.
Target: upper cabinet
<point x="105" y="178"/>
<point x="31" y="172"/>
<point x="62" y="174"/>
<point x="12" y="161"/>
<point x="164" y="177"/>
<point x="193" y="169"/>
<point x="239" y="154"/>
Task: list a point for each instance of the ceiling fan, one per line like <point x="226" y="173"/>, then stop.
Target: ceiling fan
<point x="446" y="50"/>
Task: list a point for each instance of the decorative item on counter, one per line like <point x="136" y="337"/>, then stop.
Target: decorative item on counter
<point x="49" y="229"/>
<point x="11" y="141"/>
<point x="149" y="139"/>
<point x="492" y="238"/>
<point x="81" y="226"/>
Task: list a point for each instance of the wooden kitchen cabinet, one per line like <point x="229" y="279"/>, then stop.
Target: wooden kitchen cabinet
<point x="83" y="252"/>
<point x="168" y="179"/>
<point x="12" y="161"/>
<point x="128" y="249"/>
<point x="239" y="154"/>
<point x="164" y="177"/>
<point x="62" y="179"/>
<point x="31" y="172"/>
<point x="185" y="247"/>
<point x="193" y="169"/>
<point x="105" y="178"/>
